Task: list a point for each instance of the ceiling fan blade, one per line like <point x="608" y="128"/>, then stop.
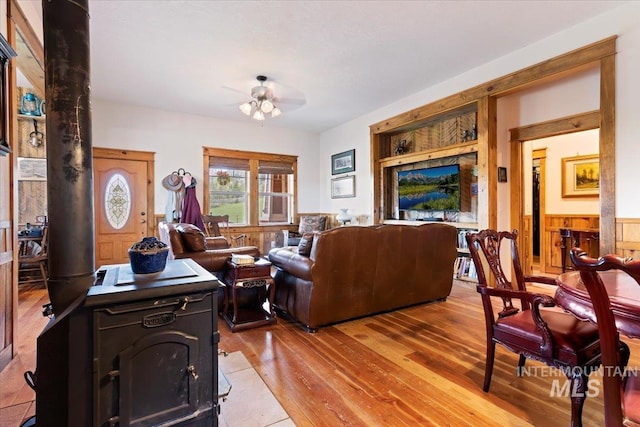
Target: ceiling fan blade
<point x="243" y="93"/>
<point x="291" y="101"/>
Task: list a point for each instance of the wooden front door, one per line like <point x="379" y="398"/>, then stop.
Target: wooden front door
<point x="122" y="207"/>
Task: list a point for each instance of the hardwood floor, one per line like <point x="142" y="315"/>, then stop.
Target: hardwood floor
<point x="422" y="365"/>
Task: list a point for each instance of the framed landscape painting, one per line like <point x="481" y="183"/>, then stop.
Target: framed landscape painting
<point x="581" y="176"/>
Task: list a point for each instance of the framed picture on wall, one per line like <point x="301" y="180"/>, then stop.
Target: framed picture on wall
<point x="343" y="162"/>
<point x="343" y="187"/>
<point x="32" y="169"/>
<point x="581" y="176"/>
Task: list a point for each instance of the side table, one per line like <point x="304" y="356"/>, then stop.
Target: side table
<point x="244" y="277"/>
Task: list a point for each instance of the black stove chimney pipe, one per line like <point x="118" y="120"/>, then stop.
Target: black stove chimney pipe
<point x="69" y="150"/>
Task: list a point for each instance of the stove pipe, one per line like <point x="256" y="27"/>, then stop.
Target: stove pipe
<point x="69" y="150"/>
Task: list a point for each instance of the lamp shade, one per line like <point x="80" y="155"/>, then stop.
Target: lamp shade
<point x="266" y="106"/>
<point x="246" y="108"/>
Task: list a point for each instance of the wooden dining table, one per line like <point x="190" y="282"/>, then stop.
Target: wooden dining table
<point x="623" y="291"/>
<point x="624" y="296"/>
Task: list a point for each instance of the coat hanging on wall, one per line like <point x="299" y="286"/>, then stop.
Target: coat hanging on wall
<point x="191" y="212"/>
<point x="175" y="187"/>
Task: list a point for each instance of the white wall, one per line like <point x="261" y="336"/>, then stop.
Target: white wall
<point x="559" y="147"/>
<point x="622" y="21"/>
<point x="178" y="139"/>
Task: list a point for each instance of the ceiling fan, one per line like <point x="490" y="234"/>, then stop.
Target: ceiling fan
<point x="263" y="101"/>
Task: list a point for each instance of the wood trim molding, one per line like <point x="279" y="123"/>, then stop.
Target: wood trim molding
<point x="541" y="154"/>
<point x="607" y="155"/>
<point x="254" y="158"/>
<point x="526" y="76"/>
<point x="30" y="51"/>
<point x="487" y="163"/>
<point x="114" y="153"/>
<point x="561" y="126"/>
<point x="239" y="154"/>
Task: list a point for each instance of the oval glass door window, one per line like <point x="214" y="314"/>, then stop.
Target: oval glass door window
<point x="117" y="201"/>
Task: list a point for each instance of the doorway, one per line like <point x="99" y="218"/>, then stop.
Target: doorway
<point x="538" y="208"/>
<point x="123" y="202"/>
<point x="545" y="205"/>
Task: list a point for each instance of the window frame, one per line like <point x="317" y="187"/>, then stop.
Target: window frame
<point x="254" y="159"/>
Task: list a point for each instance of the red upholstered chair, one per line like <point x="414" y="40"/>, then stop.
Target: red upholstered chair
<point x="621" y="393"/>
<point x="550" y="336"/>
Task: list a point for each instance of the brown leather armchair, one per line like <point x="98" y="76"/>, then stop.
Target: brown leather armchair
<point x="188" y="241"/>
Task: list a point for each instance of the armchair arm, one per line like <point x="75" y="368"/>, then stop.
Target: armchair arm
<point x="291" y="262"/>
<point x="544" y="300"/>
<point x="540" y="279"/>
<point x="217" y="242"/>
<point x="535" y="300"/>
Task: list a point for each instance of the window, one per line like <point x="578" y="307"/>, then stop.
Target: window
<point x="252" y="188"/>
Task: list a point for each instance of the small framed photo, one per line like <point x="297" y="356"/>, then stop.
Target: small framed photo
<point x="502" y="174"/>
<point x="343" y="187"/>
<point x="581" y="176"/>
<point x="32" y="169"/>
<point x="343" y="162"/>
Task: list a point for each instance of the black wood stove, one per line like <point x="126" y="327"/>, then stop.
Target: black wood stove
<point x="137" y="350"/>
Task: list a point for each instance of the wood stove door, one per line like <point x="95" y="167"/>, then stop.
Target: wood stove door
<point x="155" y="360"/>
<point x="154" y="388"/>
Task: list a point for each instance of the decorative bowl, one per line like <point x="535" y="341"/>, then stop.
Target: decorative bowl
<point x="148" y="256"/>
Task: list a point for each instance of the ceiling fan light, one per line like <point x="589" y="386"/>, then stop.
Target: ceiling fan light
<point x="246" y="108"/>
<point x="276" y="112"/>
<point x="258" y="115"/>
<point x="267" y="106"/>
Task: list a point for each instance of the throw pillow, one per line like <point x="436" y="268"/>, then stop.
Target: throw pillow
<point x="306" y="241"/>
<point x="192" y="237"/>
<point x="313" y="223"/>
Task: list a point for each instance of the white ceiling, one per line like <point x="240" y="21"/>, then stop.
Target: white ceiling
<point x="345" y="58"/>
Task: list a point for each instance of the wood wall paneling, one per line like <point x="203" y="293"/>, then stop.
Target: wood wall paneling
<point x="552" y="240"/>
<point x="525" y="246"/>
<point x="628" y="237"/>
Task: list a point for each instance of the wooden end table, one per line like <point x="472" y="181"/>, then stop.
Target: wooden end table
<point x="239" y="277"/>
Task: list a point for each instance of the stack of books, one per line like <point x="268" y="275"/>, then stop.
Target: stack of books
<point x="239" y="259"/>
<point x="464" y="268"/>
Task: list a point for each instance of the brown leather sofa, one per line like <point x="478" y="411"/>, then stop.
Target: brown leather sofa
<point x="188" y="241"/>
<point x="358" y="271"/>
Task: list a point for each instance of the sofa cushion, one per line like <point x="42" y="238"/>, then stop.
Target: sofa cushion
<point x="193" y="238"/>
<point x="306" y="241"/>
<point x="309" y="224"/>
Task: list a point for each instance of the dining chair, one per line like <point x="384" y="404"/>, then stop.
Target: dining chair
<point x="33" y="258"/>
<point x="218" y="225"/>
<point x="621" y="391"/>
<point x="550" y="336"/>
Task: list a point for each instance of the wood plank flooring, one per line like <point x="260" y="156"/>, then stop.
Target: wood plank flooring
<point x="422" y="365"/>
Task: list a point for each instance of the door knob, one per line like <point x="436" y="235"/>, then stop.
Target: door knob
<point x="143" y="221"/>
